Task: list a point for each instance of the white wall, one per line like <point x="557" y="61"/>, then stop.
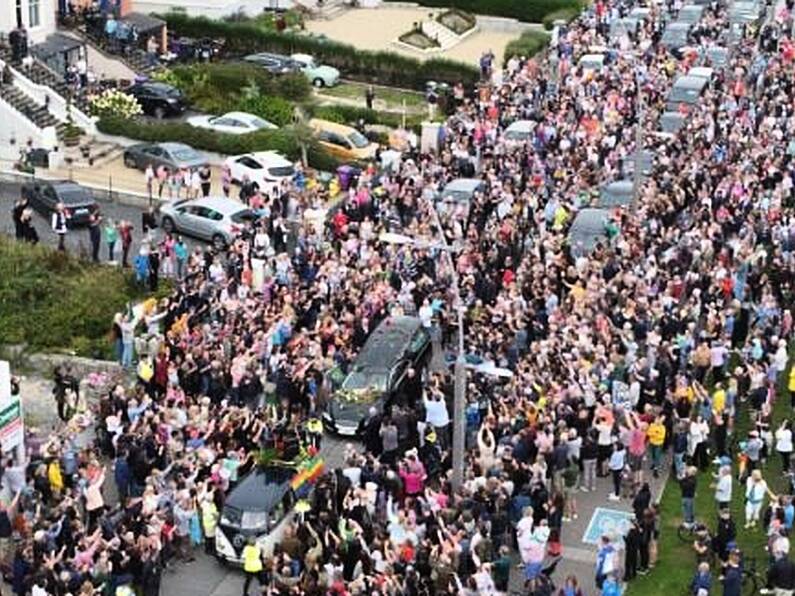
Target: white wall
<point x="16" y="126"/>
<point x="8" y="18"/>
<point x="214" y="9"/>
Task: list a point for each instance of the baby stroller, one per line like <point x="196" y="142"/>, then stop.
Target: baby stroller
<point x="542" y="584"/>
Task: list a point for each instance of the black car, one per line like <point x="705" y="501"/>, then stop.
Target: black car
<point x="158" y="99"/>
<point x="378" y="374"/>
<point x="255" y="508"/>
<point x="274" y="63"/>
<point x="78" y="201"/>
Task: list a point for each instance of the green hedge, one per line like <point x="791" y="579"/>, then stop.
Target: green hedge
<point x="531" y="11"/>
<point x="68" y="304"/>
<point x="351" y="115"/>
<point x="207" y="140"/>
<point x="528" y="44"/>
<point x="387" y="68"/>
<point x="564" y="14"/>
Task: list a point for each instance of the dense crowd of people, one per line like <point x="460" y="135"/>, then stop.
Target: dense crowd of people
<point x="655" y="341"/>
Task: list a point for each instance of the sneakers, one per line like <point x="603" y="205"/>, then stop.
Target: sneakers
<point x="584" y="489"/>
<point x="575" y="516"/>
<point x="566" y="518"/>
<point x="613" y="497"/>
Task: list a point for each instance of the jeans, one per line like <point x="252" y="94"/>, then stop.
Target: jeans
<point x="111" y="247"/>
<point x="679" y="464"/>
<point x="127" y="354"/>
<point x="688" y="509"/>
<point x="656" y="456"/>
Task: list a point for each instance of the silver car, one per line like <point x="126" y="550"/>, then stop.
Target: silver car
<point x="174" y="156"/>
<point x="218" y="220"/>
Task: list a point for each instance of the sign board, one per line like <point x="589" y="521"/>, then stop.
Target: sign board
<point x="607" y="522"/>
<point x="620" y="394"/>
<point x="11" y="428"/>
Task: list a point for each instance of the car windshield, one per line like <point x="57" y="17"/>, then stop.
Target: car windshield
<point x="254" y="520"/>
<point x="685" y="94"/>
<point x="358" y="380"/>
<point x="259" y="123"/>
<point x="185" y="154"/>
<point x="358" y="139"/>
<point x="74" y="196"/>
<point x="517" y="135"/>
<point x="281" y="171"/>
<point x="231" y="516"/>
<point x="244" y="216"/>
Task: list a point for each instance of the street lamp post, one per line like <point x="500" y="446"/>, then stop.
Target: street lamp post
<point x="637" y="174"/>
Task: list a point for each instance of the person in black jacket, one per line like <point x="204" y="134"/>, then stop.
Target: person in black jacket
<point x="780" y="576"/>
<point x="632" y="550"/>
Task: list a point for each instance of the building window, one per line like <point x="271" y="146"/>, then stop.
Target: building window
<point x="33" y="13"/>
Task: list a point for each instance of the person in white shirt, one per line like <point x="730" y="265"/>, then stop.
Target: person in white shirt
<point x="784" y="444"/>
<point x="723" y="487"/>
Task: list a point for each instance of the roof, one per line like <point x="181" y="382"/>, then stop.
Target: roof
<point x="240" y="115"/>
<point x="320" y="124"/>
<point x="678" y="26"/>
<point x="387" y="343"/>
<point x="272" y="158"/>
<point x="703" y="72"/>
<point x="690" y="82"/>
<point x="671" y="121"/>
<point x="261" y="490"/>
<point x="221" y="204"/>
<point x="144" y="22"/>
<point x="521" y="126"/>
<point x="463" y="185"/>
<point x="616" y="194"/>
<point x="172" y="146"/>
<point x="57" y="43"/>
<point x="587" y="229"/>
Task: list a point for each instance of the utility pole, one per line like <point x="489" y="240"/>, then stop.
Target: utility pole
<point x="637" y="174"/>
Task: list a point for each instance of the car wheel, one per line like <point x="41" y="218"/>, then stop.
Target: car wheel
<point x="168" y="225"/>
<point x="219" y="242"/>
<point x="129" y="161"/>
<point x="160" y="113"/>
<point x="319" y="83"/>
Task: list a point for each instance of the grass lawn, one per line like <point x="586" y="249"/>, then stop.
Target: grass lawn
<point x="392" y="97"/>
<point x="676" y="565"/>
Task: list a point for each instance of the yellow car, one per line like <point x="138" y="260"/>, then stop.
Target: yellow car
<point x="342" y="141"/>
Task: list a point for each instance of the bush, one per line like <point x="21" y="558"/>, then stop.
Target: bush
<point x="273" y="109"/>
<point x="530" y="11"/>
<point x="564" y="14"/>
<point x="387" y="68"/>
<point x="207" y="80"/>
<point x="68" y="304"/>
<point x="207" y="140"/>
<point x="114" y="103"/>
<point x="528" y="44"/>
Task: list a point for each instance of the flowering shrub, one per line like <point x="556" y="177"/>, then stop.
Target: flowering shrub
<point x="112" y="103"/>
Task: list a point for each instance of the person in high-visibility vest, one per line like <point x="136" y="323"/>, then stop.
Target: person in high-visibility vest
<point x="252" y="564"/>
<point x="314" y="431"/>
<point x="209" y="522"/>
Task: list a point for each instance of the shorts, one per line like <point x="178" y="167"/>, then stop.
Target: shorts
<point x="532" y="570"/>
<point x="635" y="462"/>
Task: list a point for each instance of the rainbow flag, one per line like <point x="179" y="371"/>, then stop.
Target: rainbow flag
<point x="306" y="474"/>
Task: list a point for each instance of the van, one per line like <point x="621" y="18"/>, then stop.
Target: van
<point x="687" y="91"/>
<point x="377" y="375"/>
<point x="343" y="141"/>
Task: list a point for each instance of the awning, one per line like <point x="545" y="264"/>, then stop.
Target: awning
<point x="144" y="23"/>
<point x="55" y="44"/>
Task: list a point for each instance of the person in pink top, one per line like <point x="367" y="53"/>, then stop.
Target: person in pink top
<point x="413" y="476"/>
<point x="95" y="503"/>
<point x="637" y="447"/>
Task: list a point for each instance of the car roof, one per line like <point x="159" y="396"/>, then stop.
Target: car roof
<point x="240" y="115"/>
<point x="261" y="490"/>
<point x="671" y="121"/>
<point x="223" y="205"/>
<point x="616" y="194"/>
<point x="66" y="185"/>
<point x="171" y="146"/>
<point x="690" y="82"/>
<point x="704" y="72"/>
<point x="692" y="8"/>
<point x="678" y="26"/>
<point x="387" y="344"/>
<point x="587" y="228"/>
<point x="266" y="55"/>
<point x="463" y="184"/>
<point x="271" y="158"/>
<point x="303" y="57"/>
<point x="331" y="126"/>
<point x="521" y="125"/>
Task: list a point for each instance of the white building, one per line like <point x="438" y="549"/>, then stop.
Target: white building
<point x="36" y="16"/>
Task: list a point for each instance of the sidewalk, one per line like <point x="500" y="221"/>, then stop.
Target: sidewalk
<point x="579" y="558"/>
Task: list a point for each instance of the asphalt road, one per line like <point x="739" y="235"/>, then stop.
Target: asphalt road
<point x="77" y="239"/>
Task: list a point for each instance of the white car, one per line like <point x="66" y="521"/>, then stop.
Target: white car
<point x="265" y="169"/>
<point x="233" y="123"/>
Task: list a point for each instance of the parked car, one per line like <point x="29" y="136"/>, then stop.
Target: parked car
<point x="378" y="373"/>
<point x="676" y="36"/>
<point x="459" y="191"/>
<point x="320" y="75"/>
<point x="615" y="194"/>
<point x="671" y="122"/>
<point x="232" y="123"/>
<point x="264" y="168"/>
<point x="587" y="230"/>
<point x="218" y="220"/>
<point x="273" y="63"/>
<point x="260" y="507"/>
<point x="343" y="141"/>
<point x="519" y="131"/>
<point x="690" y="13"/>
<point x="592" y="62"/>
<point x="686" y="91"/>
<point x="158" y="99"/>
<point x="78" y="201"/>
<point x="172" y="155"/>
